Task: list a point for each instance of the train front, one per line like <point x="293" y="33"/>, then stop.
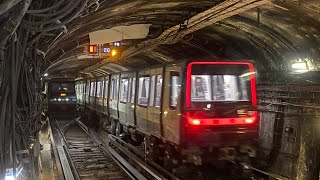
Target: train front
<point x="62" y="99"/>
<point x="220" y="116"/>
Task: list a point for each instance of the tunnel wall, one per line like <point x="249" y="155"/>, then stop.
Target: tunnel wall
<point x="289" y="140"/>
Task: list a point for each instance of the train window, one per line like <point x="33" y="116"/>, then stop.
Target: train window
<point x="99" y="89"/>
<point x="129" y="89"/>
<point x="143" y="94"/>
<point x="102" y="88"/>
<point x="201" y="87"/>
<point x="88" y="88"/>
<point x="124" y="90"/>
<point x="158" y="91"/>
<point x="92" y="88"/>
<point x="106" y="89"/>
<point x="133" y="89"/>
<point x="152" y="89"/>
<point x="174" y="89"/>
<point x="62" y="87"/>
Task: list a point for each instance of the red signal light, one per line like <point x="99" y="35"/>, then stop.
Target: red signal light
<point x="92" y="49"/>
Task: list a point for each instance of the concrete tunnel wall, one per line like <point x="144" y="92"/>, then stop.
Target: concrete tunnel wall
<point x="294" y="121"/>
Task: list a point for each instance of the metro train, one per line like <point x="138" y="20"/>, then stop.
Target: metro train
<point x="194" y="111"/>
<point x="61" y="95"/>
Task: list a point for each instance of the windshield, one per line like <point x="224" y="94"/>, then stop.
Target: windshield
<point x="62" y="87"/>
<point x="216" y="83"/>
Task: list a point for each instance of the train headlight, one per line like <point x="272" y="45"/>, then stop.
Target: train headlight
<point x="249" y="121"/>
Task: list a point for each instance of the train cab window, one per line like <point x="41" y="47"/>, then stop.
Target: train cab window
<point x="175" y="89"/>
<point x="152" y="89"/>
<point x="92" y="88"/>
<point x="158" y="91"/>
<point x="133" y="89"/>
<point x="218" y="83"/>
<point x="201" y="87"/>
<point x="143" y="91"/>
<point x="124" y="90"/>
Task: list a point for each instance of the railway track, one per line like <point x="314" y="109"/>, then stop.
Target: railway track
<point x="87" y="159"/>
<point x="93" y="157"/>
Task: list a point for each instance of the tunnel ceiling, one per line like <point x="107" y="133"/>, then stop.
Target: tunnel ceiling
<point x="271" y="33"/>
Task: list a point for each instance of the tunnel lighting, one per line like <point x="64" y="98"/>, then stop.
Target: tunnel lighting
<point x="117" y="44"/>
<point x="114" y="52"/>
<point x="59" y="99"/>
<point x="300" y="66"/>
<point x="67" y="99"/>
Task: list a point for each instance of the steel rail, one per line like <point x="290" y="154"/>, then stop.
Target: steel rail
<point x="124" y="165"/>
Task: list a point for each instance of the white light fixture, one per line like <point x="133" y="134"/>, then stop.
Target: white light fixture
<point x="45" y="74"/>
<point x="300" y="67"/>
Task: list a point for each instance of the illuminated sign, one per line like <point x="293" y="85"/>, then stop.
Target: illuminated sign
<point x="106" y="49"/>
<point x="63" y="94"/>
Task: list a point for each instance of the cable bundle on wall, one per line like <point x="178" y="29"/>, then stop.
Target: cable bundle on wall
<point x="21" y="68"/>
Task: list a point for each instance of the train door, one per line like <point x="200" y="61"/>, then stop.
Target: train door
<point x="155" y="101"/>
<point x="131" y="99"/>
<point x="99" y="94"/>
<point x="123" y="98"/>
<point x="87" y="92"/>
<point x="171" y="103"/>
<point x="106" y="94"/>
<point x="92" y="93"/>
<point x="113" y="101"/>
<point x="143" y="100"/>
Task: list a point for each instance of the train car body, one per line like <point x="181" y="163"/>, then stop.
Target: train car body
<point x="62" y="99"/>
<point x="192" y="109"/>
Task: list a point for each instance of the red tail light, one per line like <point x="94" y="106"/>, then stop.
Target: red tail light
<point x="222" y="121"/>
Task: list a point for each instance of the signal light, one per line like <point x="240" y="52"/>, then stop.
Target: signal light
<point x="92" y="49"/>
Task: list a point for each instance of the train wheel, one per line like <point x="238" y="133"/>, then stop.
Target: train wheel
<point x="170" y="159"/>
<point x="119" y="129"/>
<point x="152" y="149"/>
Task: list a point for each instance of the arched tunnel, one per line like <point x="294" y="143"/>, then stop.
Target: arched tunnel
<point x="43" y="40"/>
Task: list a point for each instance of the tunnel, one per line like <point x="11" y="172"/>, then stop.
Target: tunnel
<point x="74" y="40"/>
